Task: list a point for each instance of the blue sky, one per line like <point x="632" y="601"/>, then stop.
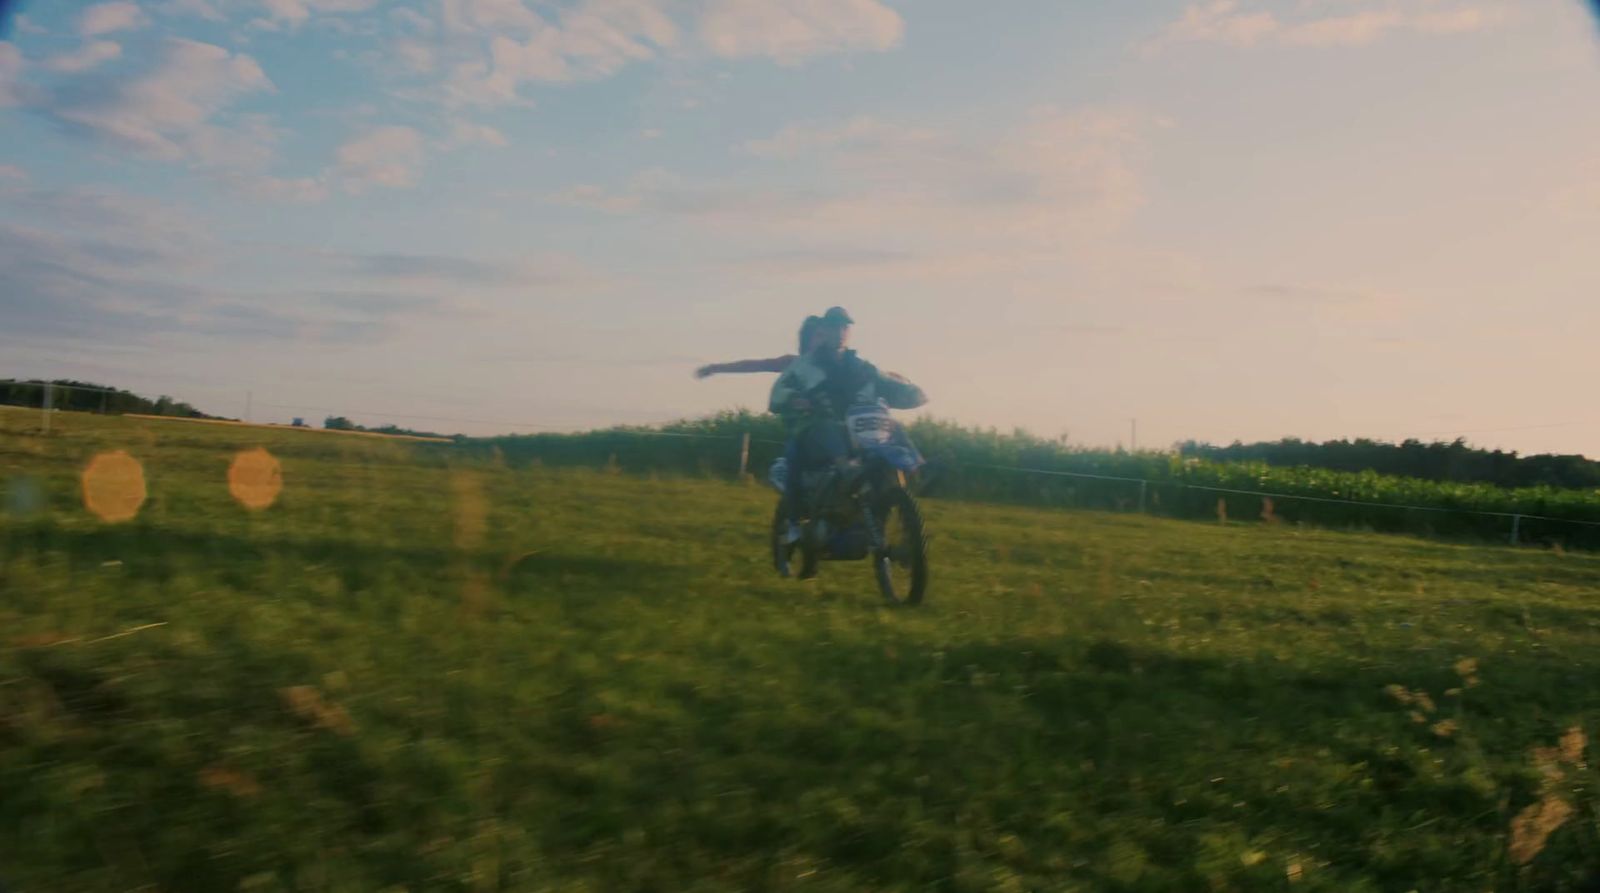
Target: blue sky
<point x="1227" y="218"/>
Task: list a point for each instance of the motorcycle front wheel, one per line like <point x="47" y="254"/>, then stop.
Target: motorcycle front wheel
<point x="783" y="553"/>
<point x="901" y="563"/>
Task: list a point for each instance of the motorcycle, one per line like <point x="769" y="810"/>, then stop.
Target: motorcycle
<point x="863" y="511"/>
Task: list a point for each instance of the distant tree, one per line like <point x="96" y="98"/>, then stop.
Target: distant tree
<point x="83" y="396"/>
<point x="1455" y="461"/>
<point x="338" y="423"/>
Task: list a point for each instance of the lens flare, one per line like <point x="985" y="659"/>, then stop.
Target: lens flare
<point x="255" y="479"/>
<point x="113" y="487"/>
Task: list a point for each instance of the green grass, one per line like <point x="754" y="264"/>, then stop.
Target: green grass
<point x="603" y="687"/>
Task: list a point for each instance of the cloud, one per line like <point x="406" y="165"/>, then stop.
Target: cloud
<point x="792" y="30"/>
<point x="54" y="286"/>
<point x="336" y="7"/>
<point x="861" y="134"/>
<point x="111" y="217"/>
<point x="87" y="262"/>
<point x="593" y="39"/>
<point x="179" y="108"/>
<point x="168" y="111"/>
<point x="412" y="19"/>
<point x="1221" y="21"/>
<point x="374" y="303"/>
<point x="1355" y="29"/>
<point x="109" y="18"/>
<point x="12" y="172"/>
<point x="86" y="58"/>
<point x="1460" y="20"/>
<point x="464" y="134"/>
<point x="388" y="157"/>
<point x="198" y="8"/>
<point x="1054" y="175"/>
<point x="418" y="57"/>
<point x="851" y="260"/>
<point x="664" y="193"/>
<point x="596" y="198"/>
<point x="286" y="190"/>
<point x="101" y="267"/>
<point x="1333" y="307"/>
<point x="489" y="15"/>
<point x="431" y="272"/>
<point x="1234" y="23"/>
<point x="11" y="66"/>
<point x="292" y="14"/>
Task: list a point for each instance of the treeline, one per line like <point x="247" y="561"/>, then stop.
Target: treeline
<point x="1435" y="461"/>
<point x="82" y="396"/>
<point x="986" y="465"/>
<point x="340" y="423"/>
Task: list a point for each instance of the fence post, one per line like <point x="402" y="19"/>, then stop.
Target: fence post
<point x="1516" y="526"/>
<point x="49" y="402"/>
<point x="744" y="456"/>
<point x="1142" y="487"/>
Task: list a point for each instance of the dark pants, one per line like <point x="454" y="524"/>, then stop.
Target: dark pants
<point x="819" y="445"/>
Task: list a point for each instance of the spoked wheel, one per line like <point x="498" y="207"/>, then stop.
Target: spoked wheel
<point x="901" y="564"/>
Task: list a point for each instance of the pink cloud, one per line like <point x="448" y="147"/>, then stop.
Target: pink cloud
<point x="108" y="18"/>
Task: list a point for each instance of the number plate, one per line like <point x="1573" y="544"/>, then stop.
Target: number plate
<point x="870" y="425"/>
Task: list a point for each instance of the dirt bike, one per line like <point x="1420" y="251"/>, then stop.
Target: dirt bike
<point x="860" y="511"/>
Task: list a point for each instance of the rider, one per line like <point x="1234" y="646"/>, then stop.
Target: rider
<point x="814" y="393"/>
<point x="808" y="340"/>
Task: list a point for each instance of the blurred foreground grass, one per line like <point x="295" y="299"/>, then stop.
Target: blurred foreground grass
<point x="418" y="673"/>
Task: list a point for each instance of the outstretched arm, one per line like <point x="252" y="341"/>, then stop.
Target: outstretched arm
<point x="771" y="364"/>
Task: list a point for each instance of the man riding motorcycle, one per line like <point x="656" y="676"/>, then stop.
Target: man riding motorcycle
<point x="813" y="395"/>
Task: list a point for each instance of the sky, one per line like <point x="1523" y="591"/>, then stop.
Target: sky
<point x="1227" y="219"/>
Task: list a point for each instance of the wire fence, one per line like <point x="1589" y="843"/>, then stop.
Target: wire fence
<point x="1145" y="485"/>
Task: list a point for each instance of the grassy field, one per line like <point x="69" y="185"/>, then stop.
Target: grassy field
<point x="418" y="673"/>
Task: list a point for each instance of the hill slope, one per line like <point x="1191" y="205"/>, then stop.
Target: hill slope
<point x="417" y="672"/>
